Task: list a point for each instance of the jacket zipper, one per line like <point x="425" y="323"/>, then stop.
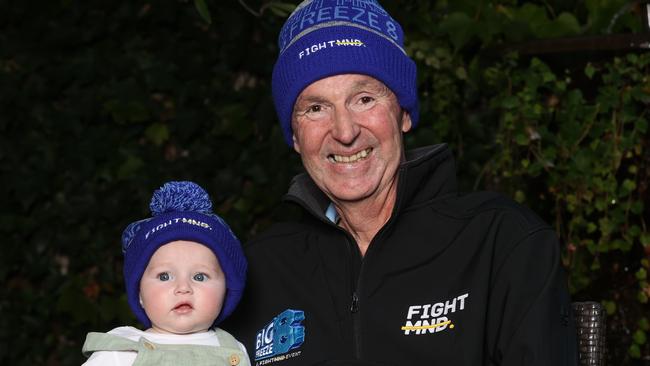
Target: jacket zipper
<point x="355" y="307"/>
<point x="355" y="282"/>
<point x="355" y="286"/>
<point x="356" y="325"/>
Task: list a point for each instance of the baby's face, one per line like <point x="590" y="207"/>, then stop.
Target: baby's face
<point x="182" y="289"/>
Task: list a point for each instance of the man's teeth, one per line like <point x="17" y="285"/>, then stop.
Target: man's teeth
<point x="352" y="158"/>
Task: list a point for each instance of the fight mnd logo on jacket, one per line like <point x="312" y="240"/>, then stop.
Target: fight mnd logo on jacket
<point x="433" y="318"/>
<point x="283" y="334"/>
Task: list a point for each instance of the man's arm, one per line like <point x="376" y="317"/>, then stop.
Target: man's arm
<point x="529" y="315"/>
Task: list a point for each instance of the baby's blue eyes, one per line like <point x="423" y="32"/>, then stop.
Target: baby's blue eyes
<point x="200" y="277"/>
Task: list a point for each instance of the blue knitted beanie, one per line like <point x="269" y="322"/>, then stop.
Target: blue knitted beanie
<point x="182" y="211"/>
<point x="324" y="38"/>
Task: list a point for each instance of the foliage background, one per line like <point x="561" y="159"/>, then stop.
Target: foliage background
<point x="103" y="101"/>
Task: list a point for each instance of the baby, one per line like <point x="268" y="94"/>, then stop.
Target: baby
<point x="185" y="272"/>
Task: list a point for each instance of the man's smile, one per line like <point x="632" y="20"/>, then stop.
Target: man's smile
<point x="335" y="158"/>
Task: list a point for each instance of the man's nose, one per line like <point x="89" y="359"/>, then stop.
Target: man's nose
<point x="345" y="128"/>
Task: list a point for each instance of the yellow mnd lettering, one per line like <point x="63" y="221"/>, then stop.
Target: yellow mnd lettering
<point x="420" y="327"/>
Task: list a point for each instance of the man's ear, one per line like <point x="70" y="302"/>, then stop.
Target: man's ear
<point x="296" y="145"/>
<point x="406" y="121"/>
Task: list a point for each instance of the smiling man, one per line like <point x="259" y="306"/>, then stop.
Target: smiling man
<point x="348" y="131"/>
<point x="389" y="264"/>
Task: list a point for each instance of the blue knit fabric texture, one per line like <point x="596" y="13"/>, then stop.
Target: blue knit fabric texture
<point x="182" y="211"/>
<point x="323" y="38"/>
<point x="180" y="196"/>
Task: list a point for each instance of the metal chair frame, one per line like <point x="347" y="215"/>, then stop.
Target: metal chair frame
<point x="590" y="319"/>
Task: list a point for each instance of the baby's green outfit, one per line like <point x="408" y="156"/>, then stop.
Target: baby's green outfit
<point x="228" y="353"/>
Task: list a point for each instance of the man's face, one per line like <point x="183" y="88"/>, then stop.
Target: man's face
<point x="348" y="132"/>
<point x="182" y="289"/>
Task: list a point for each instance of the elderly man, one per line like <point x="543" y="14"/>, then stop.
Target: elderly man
<point x="389" y="265"/>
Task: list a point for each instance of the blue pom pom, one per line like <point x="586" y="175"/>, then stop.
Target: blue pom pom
<point x="180" y="196"/>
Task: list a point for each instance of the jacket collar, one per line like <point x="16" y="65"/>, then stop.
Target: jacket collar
<point x="428" y="173"/>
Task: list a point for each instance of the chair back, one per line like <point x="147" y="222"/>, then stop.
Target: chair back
<point x="590" y="324"/>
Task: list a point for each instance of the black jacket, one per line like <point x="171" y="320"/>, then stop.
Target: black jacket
<point x="449" y="280"/>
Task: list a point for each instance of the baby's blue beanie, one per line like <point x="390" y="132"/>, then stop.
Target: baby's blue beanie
<point x="324" y="38"/>
<point x="182" y="211"/>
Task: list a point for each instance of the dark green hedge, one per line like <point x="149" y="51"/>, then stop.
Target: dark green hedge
<point x="103" y="101"/>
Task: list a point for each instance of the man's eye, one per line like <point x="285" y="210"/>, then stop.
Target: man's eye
<point x="363" y="103"/>
<point x="314" y="108"/>
<point x="200" y="277"/>
<point x="314" y="111"/>
<point x="163" y="276"/>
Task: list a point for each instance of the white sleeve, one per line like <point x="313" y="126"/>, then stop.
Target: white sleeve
<point x="243" y="348"/>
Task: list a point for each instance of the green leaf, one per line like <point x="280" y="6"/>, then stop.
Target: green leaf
<point x="490" y="25"/>
<point x="591" y="227"/>
<point x="627" y="187"/>
<point x="610" y="307"/>
<point x="203" y="10"/>
<point x="590" y="70"/>
<point x="534" y="17"/>
<point x="641" y="124"/>
<point x="470" y="7"/>
<point x="601" y="13"/>
<point x="522" y="139"/>
<point x="510" y="102"/>
<point x="645" y="239"/>
<point x="461" y="73"/>
<point x="584" y="160"/>
<point x="634" y="231"/>
<point x="129" y="167"/>
<point x="459" y="27"/>
<point x="281" y="9"/>
<point x="641" y="274"/>
<point x="565" y="24"/>
<point x="157" y="133"/>
<point x="623" y="245"/>
<point x="639" y="337"/>
<point x="123" y="112"/>
<point x="520" y="196"/>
